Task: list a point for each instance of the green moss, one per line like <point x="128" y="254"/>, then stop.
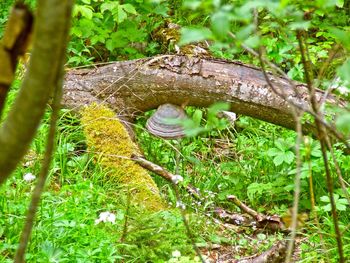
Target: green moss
<point x="110" y="141"/>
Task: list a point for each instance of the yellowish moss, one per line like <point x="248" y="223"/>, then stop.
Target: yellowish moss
<point x="109" y="139"/>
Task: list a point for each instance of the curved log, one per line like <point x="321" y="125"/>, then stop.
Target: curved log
<point x="130" y="87"/>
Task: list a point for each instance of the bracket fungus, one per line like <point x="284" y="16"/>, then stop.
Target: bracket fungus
<point x="165" y="122"/>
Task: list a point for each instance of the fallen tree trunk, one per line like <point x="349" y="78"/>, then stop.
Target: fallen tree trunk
<point x="131" y="87"/>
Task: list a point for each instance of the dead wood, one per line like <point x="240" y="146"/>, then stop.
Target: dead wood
<point x="174" y="179"/>
<point x="276" y="254"/>
<point x="130" y="87"/>
<point x="233" y="218"/>
<point x="273" y="223"/>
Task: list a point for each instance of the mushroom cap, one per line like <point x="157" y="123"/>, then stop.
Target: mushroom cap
<point x="164" y="122"/>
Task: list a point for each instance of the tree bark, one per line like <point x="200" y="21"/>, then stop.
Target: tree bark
<point x="130" y="87"/>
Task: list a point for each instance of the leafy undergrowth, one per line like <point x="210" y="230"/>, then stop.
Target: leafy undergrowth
<point x="254" y="161"/>
<point x="78" y="192"/>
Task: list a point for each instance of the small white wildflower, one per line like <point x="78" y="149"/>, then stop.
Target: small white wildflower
<point x="338" y="84"/>
<point x="28" y="177"/>
<point x="177" y="178"/>
<point x="180" y="205"/>
<point x="111" y="218"/>
<point x="177" y="49"/>
<point x="105" y="217"/>
<point x="176" y="254"/>
<point x="343" y="90"/>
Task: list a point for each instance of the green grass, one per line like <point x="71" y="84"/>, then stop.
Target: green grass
<point x="77" y="193"/>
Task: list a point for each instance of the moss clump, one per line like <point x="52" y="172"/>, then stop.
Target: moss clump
<point x="109" y="139"/>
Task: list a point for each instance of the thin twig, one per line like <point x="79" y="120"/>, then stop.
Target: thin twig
<point x="164" y="174"/>
<point x="244" y="207"/>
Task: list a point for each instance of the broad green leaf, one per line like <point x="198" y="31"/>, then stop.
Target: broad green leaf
<point x="344" y="71"/>
<point x="110" y="6"/>
<point x="278" y="160"/>
<point x="192" y="4"/>
<point x="252" y="41"/>
<point x="343" y="123"/>
<point x="257" y="188"/>
<point x="342" y="35"/>
<point x="245" y="32"/>
<point x="341" y="207"/>
<point x="289" y="157"/>
<point x="216" y="3"/>
<point x="316" y="151"/>
<point x="304" y="25"/>
<point x="296" y="72"/>
<point x="217" y="107"/>
<point x="122" y="15"/>
<point x="343" y="201"/>
<point x="129" y="8"/>
<point x="304" y="173"/>
<point x="327" y="208"/>
<point x="76" y="31"/>
<point x="84" y="10"/>
<point x="220" y="24"/>
<point x="325" y="199"/>
<point x="342" y="204"/>
<point x="279" y="144"/>
<point x="117" y="40"/>
<point x="189" y="35"/>
<point x="110" y="44"/>
<point x="97" y="39"/>
<point x="273" y="152"/>
<point x="191" y="129"/>
<point x="197" y="117"/>
<point x="161" y="10"/>
<point x="329" y="3"/>
<point x="340" y="3"/>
